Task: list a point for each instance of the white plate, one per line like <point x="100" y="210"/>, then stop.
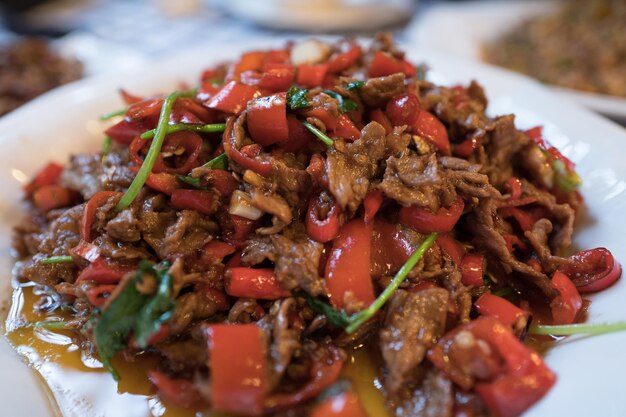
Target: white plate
<point x="462" y="29"/>
<point x="590" y="370"/>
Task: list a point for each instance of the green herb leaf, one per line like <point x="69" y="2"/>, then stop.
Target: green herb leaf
<point x="335" y="318"/>
<point x="219" y="162"/>
<point x="56" y="260"/>
<point x="177" y="127"/>
<point x="581" y="328"/>
<point x="355" y="85"/>
<point x="319" y="134"/>
<point x="194" y="182"/>
<point x="296" y="98"/>
<point x="566" y="180"/>
<point x="133" y="311"/>
<point x="345" y="104"/>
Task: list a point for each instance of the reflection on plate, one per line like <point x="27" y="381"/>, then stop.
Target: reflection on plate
<point x="462" y="29"/>
<point x="65" y="121"/>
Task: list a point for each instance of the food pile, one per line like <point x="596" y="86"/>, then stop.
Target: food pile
<point x="303" y="202"/>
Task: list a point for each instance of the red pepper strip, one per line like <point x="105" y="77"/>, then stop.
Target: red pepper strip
<point x="101" y="272"/>
<point x="514" y="187"/>
<point x="324" y="115"/>
<point x="162" y="182"/>
<point x="89" y="212"/>
<point x="391" y="247"/>
<point x="298" y="137"/>
<point x="216" y="250"/>
<point x="267" y="119"/>
<point x="472" y="269"/>
<point x="525" y="220"/>
<point x="348" y="267"/>
<point x="424" y="221"/>
<point x="233" y="97"/>
<point x="253" y="283"/>
<point x="180" y="392"/>
<point x="378" y="116"/>
<point x="97" y="296"/>
<point x="592" y="270"/>
<point x="513" y="241"/>
<point x="49" y="175"/>
<point x="277" y="77"/>
<point x="129" y="98"/>
<point x="50" y="197"/>
<point x="86" y="250"/>
<point x="215" y="297"/>
<point x="535" y="134"/>
<point x="199" y="200"/>
<point x="316" y="168"/>
<point x="178" y="162"/>
<point x="235" y="229"/>
<point x="322" y="220"/>
<point x="429" y="127"/>
<point x="323" y="375"/>
<point x="311" y="75"/>
<point x="384" y="63"/>
<point x="371" y="204"/>
<point x="263" y="168"/>
<point x="345" y="404"/>
<point x="238" y="364"/>
<point x="566" y="306"/>
<point x="509" y="388"/>
<point x="403" y="109"/>
<point x="249" y="61"/>
<point x="502" y="309"/>
<point x="452" y="247"/>
<point x="343" y="60"/>
<point x="125" y="131"/>
<point x="346" y="129"/>
<point x="468" y="146"/>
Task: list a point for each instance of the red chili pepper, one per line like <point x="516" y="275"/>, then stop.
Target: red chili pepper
<point x="323" y="375"/>
<point x="502" y="309"/>
<point x="199" y="200"/>
<point x="525" y="220"/>
<point x="223" y="182"/>
<point x="514" y="187"/>
<point x="344" y="59"/>
<point x="378" y="116"/>
<point x="180" y="392"/>
<point x="403" y="109"/>
<point x="452" y="247"/>
<point x="263" y="168"/>
<point x="468" y="146"/>
<point x="125" y="131"/>
<point x="235" y="229"/>
<point x="512" y="376"/>
<point x="181" y="148"/>
<point x="98" y="295"/>
<point x="429" y="127"/>
<point x="345" y="404"/>
<point x="390" y="248"/>
<point x="424" y="221"/>
<point x="250" y="61"/>
<point x="513" y="241"/>
<point x="239" y="369"/>
<point x="346" y="129"/>
<point x="371" y="204"/>
<point x="472" y="267"/>
<point x="299" y="136"/>
<point x="233" y="97"/>
<point x="49" y="175"/>
<point x="592" y="270"/>
<point x="89" y="212"/>
<point x="101" y="272"/>
<point x="267" y="119"/>
<point x="50" y="197"/>
<point x="384" y="63"/>
<point x="129" y="98"/>
<point x="324" y="115"/>
<point x="348" y="266"/>
<point x="322" y="220"/>
<point x="86" y="250"/>
<point x="536" y="135"/>
<point x="216" y="250"/>
<point x="277" y="77"/>
<point x="566" y="306"/>
<point x="162" y="182"/>
<point x="311" y="75"/>
<point x="258" y="283"/>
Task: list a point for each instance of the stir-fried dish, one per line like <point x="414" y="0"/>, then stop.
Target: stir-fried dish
<point x="581" y="46"/>
<point x="303" y="202"/>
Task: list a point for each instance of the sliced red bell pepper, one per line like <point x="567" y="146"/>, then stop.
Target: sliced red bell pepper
<point x="89" y="212"/>
<point x="378" y="116"/>
<point x="592" y="270"/>
<point x="256" y="283"/>
<point x="324" y="373"/>
<point x="49" y="175"/>
<point x="424" y="221"/>
<point x="524" y="219"/>
<point x="468" y="146"/>
<point x="263" y="168"/>
<point x="239" y="369"/>
<point x="267" y="119"/>
<point x="199" y="200"/>
<point x="430" y="128"/>
<point x="403" y="109"/>
<point x="344" y="404"/>
<point x="50" y="197"/>
<point x="233" y="97"/>
<point x="566" y="306"/>
<point x="98" y="295"/>
<point x="298" y="137"/>
<point x="350" y="52"/>
<point x="384" y="63"/>
<point x="249" y="61"/>
<point x="472" y="269"/>
<point x="348" y="267"/>
<point x="452" y="247"/>
<point x="103" y="272"/>
<point x="346" y="129"/>
<point x="322" y="220"/>
<point x="277" y="77"/>
<point x="502" y="309"/>
<point x="311" y="75"/>
<point x="371" y="204"/>
<point x="180" y="392"/>
<point x="216" y="250"/>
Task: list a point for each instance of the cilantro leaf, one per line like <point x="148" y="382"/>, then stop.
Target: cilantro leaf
<point x="355" y="85"/>
<point x="296" y="98"/>
<point x="345" y="104"/>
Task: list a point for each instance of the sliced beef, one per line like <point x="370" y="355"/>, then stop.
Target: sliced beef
<point x="504" y="142"/>
<point x="434" y="397"/>
<point x="188" y="235"/>
<point x="376" y="91"/>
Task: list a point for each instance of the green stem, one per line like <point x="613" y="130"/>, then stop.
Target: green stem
<point x="362" y="316"/>
<point x="106" y="145"/>
<point x="177" y="127"/>
<point x="319" y="134"/>
<point x="107" y="116"/>
<point x="582" y="328"/>
<point x="56" y="260"/>
<point x="50" y="325"/>
<point x="153" y="152"/>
